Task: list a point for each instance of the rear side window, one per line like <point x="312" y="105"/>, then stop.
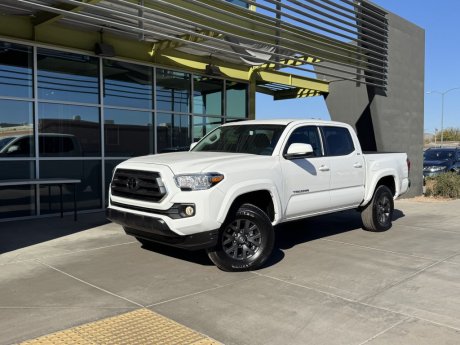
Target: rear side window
<point x="338" y="141"/>
<point x="51" y="145"/>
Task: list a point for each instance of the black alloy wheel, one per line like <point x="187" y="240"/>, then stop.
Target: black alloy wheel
<point x="245" y="242"/>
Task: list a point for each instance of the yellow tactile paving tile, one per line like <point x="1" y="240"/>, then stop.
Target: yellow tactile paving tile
<point x="141" y="326"/>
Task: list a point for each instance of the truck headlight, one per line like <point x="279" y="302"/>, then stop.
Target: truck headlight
<point x="188" y="182"/>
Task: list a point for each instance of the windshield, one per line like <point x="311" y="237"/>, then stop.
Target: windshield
<point x="439" y="155"/>
<point x="253" y="139"/>
<point x="4" y="142"/>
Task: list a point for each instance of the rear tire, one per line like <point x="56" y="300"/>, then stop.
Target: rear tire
<point x="378" y="214"/>
<point x="245" y="240"/>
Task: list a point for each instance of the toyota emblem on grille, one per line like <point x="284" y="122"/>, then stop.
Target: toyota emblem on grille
<point x="132" y="184"/>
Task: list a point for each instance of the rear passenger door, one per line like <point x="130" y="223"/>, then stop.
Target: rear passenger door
<point x="347" y="167"/>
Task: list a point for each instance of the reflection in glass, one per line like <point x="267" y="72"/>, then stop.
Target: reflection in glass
<point x="16" y="71"/>
<point x="16" y="129"/>
<point x="68" y="130"/>
<point x="173" y="91"/>
<point x="127" y="84"/>
<point x="237" y="97"/>
<point x="17" y="201"/>
<point x="203" y="125"/>
<point x="67" y="77"/>
<point x="128" y="133"/>
<point x="207" y="95"/>
<point x="88" y="191"/>
<point x="173" y="133"/>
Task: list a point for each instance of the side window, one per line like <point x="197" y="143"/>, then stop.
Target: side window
<point x="338" y="141"/>
<point x="306" y="135"/>
<point x="21" y="147"/>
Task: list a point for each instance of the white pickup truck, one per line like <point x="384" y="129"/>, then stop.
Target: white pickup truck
<point x="228" y="192"/>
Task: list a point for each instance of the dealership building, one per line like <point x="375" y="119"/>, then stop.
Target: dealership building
<point x="85" y="85"/>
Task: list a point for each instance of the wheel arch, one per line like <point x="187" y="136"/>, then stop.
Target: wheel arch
<point x="264" y="197"/>
<point x="385" y="179"/>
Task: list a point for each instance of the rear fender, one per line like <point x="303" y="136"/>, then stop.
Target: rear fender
<point x="372" y="184"/>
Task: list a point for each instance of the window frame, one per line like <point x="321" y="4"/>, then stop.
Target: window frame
<point x="321" y="140"/>
<point x="326" y="153"/>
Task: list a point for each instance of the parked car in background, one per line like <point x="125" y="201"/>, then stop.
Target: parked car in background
<point x="437" y="161"/>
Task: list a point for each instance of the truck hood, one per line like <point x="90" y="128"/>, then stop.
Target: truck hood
<point x="194" y="162"/>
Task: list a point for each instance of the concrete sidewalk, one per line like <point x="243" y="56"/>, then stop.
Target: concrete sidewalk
<point x="329" y="282"/>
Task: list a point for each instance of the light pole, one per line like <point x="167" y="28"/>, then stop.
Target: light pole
<point x="442" y="108"/>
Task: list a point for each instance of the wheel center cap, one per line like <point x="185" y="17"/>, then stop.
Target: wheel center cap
<point x="241" y="239"/>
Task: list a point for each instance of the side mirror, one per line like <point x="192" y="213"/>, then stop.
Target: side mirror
<point x="298" y="150"/>
<point x="12" y="149"/>
<point x="192" y="145"/>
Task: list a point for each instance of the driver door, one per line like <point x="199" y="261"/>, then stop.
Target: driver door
<point x="306" y="180"/>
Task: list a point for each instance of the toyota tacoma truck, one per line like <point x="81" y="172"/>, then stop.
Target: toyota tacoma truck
<point x="228" y="192"/>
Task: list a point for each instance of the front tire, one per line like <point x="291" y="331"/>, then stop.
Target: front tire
<point x="378" y="214"/>
<point x="245" y="240"/>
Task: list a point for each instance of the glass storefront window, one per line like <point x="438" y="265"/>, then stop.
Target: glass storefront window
<point x="68" y="130"/>
<point x="173" y="91"/>
<point x="237" y="98"/>
<point x="16" y="129"/>
<point x="173" y="133"/>
<point x="128" y="85"/>
<point x="88" y="191"/>
<point x="203" y="125"/>
<point x="70" y="106"/>
<point x="67" y="77"/>
<point x="16" y="72"/>
<point x="128" y="133"/>
<point x="17" y="201"/>
<point x="207" y="95"/>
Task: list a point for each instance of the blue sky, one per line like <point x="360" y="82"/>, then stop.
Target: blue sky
<point x="442" y="71"/>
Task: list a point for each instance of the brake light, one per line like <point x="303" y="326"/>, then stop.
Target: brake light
<point x="408" y="164"/>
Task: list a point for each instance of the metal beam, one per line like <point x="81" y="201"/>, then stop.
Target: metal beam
<point x="166" y="45"/>
<point x="301" y="60"/>
<point x="43" y="17"/>
<point x="296" y="93"/>
<point x="292" y="80"/>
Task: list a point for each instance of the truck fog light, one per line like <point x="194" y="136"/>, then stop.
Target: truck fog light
<point x="189" y="211"/>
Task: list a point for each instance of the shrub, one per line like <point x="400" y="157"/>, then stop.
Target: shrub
<point x="445" y="185"/>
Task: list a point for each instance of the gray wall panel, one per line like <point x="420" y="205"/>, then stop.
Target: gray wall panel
<point x="391" y="122"/>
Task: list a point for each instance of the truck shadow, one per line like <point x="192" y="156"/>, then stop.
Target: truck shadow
<point x="198" y="257"/>
<point x="287" y="236"/>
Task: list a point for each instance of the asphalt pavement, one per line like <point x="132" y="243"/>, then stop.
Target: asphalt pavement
<point x="328" y="282"/>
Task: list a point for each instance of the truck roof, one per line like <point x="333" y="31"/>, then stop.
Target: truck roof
<point x="284" y="122"/>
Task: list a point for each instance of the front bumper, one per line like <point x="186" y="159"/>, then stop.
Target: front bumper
<point x="156" y="230"/>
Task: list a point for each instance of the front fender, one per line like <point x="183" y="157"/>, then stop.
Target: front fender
<point x="247" y="187"/>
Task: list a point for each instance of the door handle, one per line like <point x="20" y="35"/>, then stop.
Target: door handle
<point x="358" y="165"/>
<point x="323" y="168"/>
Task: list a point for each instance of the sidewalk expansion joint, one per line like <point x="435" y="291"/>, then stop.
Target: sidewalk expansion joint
<point x="88" y="283"/>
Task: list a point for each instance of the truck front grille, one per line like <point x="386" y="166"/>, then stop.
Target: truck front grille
<point x="138" y="185"/>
